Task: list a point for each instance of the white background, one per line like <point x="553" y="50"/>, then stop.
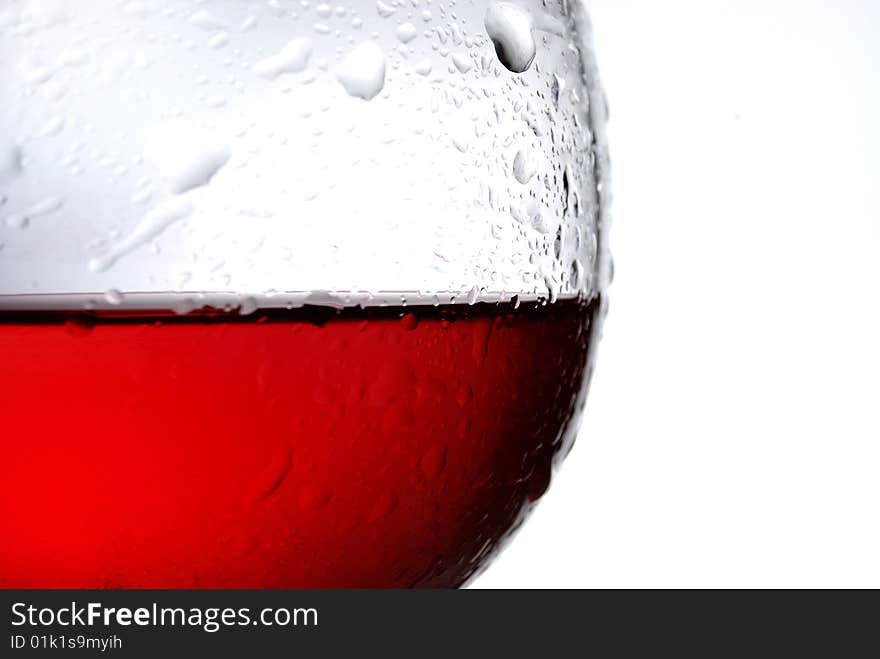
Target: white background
<point x="732" y="436"/>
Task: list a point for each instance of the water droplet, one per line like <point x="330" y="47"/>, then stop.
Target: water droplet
<point x="17" y="221"/>
<point x="216" y="101"/>
<point x="313" y="497"/>
<point x="385" y="505"/>
<point x="36" y="73"/>
<point x="409" y="321"/>
<point x="538" y="481"/>
<point x="113" y="297"/>
<point x="362" y="71"/>
<point x="557" y="87"/>
<point x="577" y="273"/>
<point x="423" y="67"/>
<point x="187" y="155"/>
<point x="433" y="462"/>
<point x="248" y="306"/>
<point x="51" y="127"/>
<point x="79" y="326"/>
<point x="143" y="193"/>
<point x="45" y="207"/>
<point x="464" y="395"/>
<point x="206" y="21"/>
<point x="153" y="224"/>
<point x="462" y="62"/>
<point x="549" y="24"/>
<point x="406" y="32"/>
<point x="218" y="40"/>
<point x="524" y="167"/>
<point x="293" y="58"/>
<point x="385" y="10"/>
<point x="537" y="217"/>
<point x="510" y="29"/>
<point x="185" y="306"/>
<point x="267" y="482"/>
<point x="10" y="161"/>
<point x="552" y="288"/>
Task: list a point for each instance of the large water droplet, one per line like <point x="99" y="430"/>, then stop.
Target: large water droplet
<point x="510" y="29"/>
<point x="362" y="71"/>
<point x="293" y="58"/>
<point x="406" y="32"/>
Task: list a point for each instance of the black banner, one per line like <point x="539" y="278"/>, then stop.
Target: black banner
<point x="425" y="623"/>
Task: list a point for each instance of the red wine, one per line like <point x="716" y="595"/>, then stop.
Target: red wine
<point x="289" y="449"/>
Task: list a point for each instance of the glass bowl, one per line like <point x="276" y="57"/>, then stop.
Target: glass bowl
<point x="292" y="294"/>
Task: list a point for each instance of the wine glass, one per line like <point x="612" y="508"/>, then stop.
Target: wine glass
<point x="292" y="294"/>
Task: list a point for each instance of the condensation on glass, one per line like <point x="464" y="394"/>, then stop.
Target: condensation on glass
<point x="292" y="293"/>
<point x="260" y="154"/>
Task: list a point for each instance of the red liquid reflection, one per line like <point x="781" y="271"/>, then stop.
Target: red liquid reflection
<point x="295" y="449"/>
